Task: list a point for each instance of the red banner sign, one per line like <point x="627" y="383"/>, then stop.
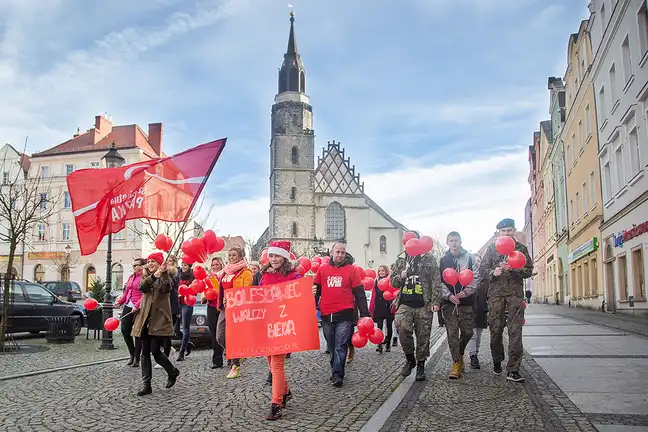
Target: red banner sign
<point x="271" y="319"/>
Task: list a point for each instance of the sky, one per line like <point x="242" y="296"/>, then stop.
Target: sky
<point x="439" y="97"/>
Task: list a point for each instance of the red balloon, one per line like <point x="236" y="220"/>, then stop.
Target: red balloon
<point x="292" y="256"/>
<point x="466" y="277"/>
<point x="188" y="259"/>
<point x="377" y="337"/>
<point x="198" y="248"/>
<point x="209" y="239"/>
<point x="326" y="260"/>
<point x="190" y="300"/>
<point x="299" y="269"/>
<point x="210" y="294"/>
<point x="384" y="284"/>
<point x="389" y="295"/>
<point x="162" y="243"/>
<point x="90" y="304"/>
<point x="197" y="286"/>
<point x="200" y="272"/>
<point x="450" y="276"/>
<point x="220" y="245"/>
<point x="183" y="290"/>
<point x="426" y="243"/>
<point x="111" y="324"/>
<point x="371" y="273"/>
<point x="305" y="263"/>
<point x="408" y="236"/>
<point x="358" y="340"/>
<point x="504" y="245"/>
<point x="365" y="326"/>
<point x="368" y="283"/>
<point x="524" y="305"/>
<point x="170" y="243"/>
<point x="516" y="260"/>
<point x="264" y="257"/>
<point x="361" y="271"/>
<point x="415" y="247"/>
<point x="317" y="259"/>
<point x="186" y="248"/>
<point x="315" y="267"/>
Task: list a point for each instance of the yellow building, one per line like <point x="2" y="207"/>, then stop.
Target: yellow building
<point x="580" y="141"/>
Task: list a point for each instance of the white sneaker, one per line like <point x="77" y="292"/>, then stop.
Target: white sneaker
<point x="173" y="350"/>
<point x="157" y="366"/>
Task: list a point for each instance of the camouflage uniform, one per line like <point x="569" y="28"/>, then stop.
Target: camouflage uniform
<point x="410" y="320"/>
<point x="505" y="290"/>
<point x="459" y="327"/>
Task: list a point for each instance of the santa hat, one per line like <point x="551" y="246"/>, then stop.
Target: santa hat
<point x="157" y="257"/>
<point x="281" y="248"/>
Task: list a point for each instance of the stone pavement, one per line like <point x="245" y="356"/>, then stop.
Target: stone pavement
<point x="619" y="321"/>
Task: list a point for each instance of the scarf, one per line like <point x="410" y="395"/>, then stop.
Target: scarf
<point x="236" y="267"/>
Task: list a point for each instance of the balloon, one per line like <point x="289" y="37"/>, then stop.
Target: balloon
<point x="450" y="276"/>
<point x="299" y="269"/>
<point x="200" y="272"/>
<point x="524" y="322"/>
<point x="361" y="271"/>
<point x="366" y="326"/>
<point x="90" y="304"/>
<point x="209" y="239"/>
<point x="368" y="283"/>
<point x="408" y="236"/>
<point x="305" y="263"/>
<point x="220" y="244"/>
<point x="183" y="290"/>
<point x="161" y="242"/>
<point x="524" y="305"/>
<point x="415" y="247"/>
<point x="292" y="256"/>
<point x="198" y="248"/>
<point x="426" y="243"/>
<point x="358" y="340"/>
<point x="317" y="259"/>
<point x="466" y="277"/>
<point x="264" y="257"/>
<point x="197" y="286"/>
<point x="377" y="337"/>
<point x="210" y="294"/>
<point x="389" y="295"/>
<point x="169" y="243"/>
<point x="384" y="284"/>
<point x="190" y="300"/>
<point x="504" y="245"/>
<point x="315" y="267"/>
<point x="326" y="260"/>
<point x="186" y="248"/>
<point x="187" y="259"/>
<point x="371" y="273"/>
<point x="516" y="260"/>
<point x="111" y="324"/>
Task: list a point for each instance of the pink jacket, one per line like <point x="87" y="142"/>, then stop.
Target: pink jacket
<point x="132" y="292"/>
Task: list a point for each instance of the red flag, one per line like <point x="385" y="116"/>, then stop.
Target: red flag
<point x="161" y="189"/>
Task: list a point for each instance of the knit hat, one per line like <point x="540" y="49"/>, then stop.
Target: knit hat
<point x="281" y="248"/>
<point x="157" y="257"/>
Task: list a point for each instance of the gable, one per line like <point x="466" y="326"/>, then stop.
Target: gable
<point x="334" y="173"/>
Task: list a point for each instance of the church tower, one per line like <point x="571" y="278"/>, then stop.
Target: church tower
<point x="292" y="155"/>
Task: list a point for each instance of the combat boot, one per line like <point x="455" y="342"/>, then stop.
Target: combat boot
<point x="410" y="363"/>
<point x="420" y="371"/>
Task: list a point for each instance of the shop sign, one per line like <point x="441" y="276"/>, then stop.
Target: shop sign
<point x="45" y="255"/>
<point x="5" y="258"/>
<point x="627" y="235"/>
<point x="584" y="249"/>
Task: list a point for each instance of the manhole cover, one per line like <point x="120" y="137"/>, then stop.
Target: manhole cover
<point x="24" y="349"/>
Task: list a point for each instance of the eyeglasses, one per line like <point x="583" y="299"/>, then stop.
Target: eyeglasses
<point x="137" y="265"/>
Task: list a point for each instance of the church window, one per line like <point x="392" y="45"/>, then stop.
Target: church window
<point x="294" y="155"/>
<point x="383" y="244"/>
<point x="293" y="193"/>
<point x="334" y="217"/>
<point x="294" y="229"/>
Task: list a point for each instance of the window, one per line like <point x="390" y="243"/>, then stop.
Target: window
<point x="614" y="92"/>
<point x="95" y="164"/>
<point x="293" y="193"/>
<point x="40" y="232"/>
<point x="635" y="154"/>
<point x="65" y="230"/>
<point x="118" y="276"/>
<point x="592" y="184"/>
<point x="38" y="294"/>
<point x="43" y="201"/>
<point x="120" y="235"/>
<point x="571" y="211"/>
<point x="39" y="273"/>
<point x="16" y="293"/>
<point x="383" y="244"/>
<point x="67" y="202"/>
<point x="44" y="172"/>
<point x="294" y="229"/>
<point x="578" y="206"/>
<point x="580" y="135"/>
<point x="294" y="155"/>
<point x="573" y="149"/>
<point x="603" y="19"/>
<point x="602" y="113"/>
<point x="626" y="58"/>
<point x="618" y="162"/>
<point x="5" y="177"/>
<point x="638" y="274"/>
<point x="607" y="181"/>
<point x="68" y="169"/>
<point x="584" y="197"/>
<point x="334" y="221"/>
<point x="642" y="24"/>
<point x="588" y="121"/>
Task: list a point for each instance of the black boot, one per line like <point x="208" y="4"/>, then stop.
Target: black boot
<point x="146" y="389"/>
<point x="136" y="363"/>
<point x="410" y="363"/>
<point x="395" y="342"/>
<point x="181" y="356"/>
<point x="420" y="371"/>
<point x="173" y="377"/>
<point x="275" y="412"/>
<point x="288" y="355"/>
<point x="387" y="347"/>
<point x="474" y="362"/>
<point x="131" y="361"/>
<point x="190" y="347"/>
<point x="379" y="349"/>
<point x="269" y="379"/>
<point x="286" y="398"/>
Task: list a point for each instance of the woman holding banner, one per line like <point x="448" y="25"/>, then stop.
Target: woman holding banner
<point x="278" y="269"/>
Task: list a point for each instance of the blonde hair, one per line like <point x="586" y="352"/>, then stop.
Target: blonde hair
<point x="220" y="261"/>
<point x="386" y="268"/>
<point x="239" y="250"/>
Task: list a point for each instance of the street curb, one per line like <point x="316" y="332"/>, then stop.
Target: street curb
<point x="380" y="417"/>
<point x="46" y="371"/>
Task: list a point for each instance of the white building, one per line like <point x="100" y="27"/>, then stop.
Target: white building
<point x="310" y="205"/>
<point x="619" y="36"/>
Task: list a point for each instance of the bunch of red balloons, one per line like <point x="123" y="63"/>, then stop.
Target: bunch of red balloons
<point x="415" y="246"/>
<point x="389" y="292"/>
<point x="367" y="332"/>
<point x="198" y="249"/>
<point x="463" y="278"/>
<point x="506" y="246"/>
<point x="202" y="284"/>
<point x="163" y="242"/>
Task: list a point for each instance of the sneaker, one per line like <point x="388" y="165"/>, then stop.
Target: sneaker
<point x="269" y="378"/>
<point x="497" y="368"/>
<point x="157" y="366"/>
<point x="288" y="396"/>
<point x="235" y="372"/>
<point x="338" y="382"/>
<point x="351" y="354"/>
<point x="275" y="413"/>
<point x="455" y="372"/>
<point x="420" y="371"/>
<point x="515" y="376"/>
<point x="474" y="362"/>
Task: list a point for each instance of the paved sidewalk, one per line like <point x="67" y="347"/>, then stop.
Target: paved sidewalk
<point x="619" y="321"/>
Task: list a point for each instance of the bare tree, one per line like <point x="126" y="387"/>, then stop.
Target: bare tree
<point x="439" y="248"/>
<point x="25" y="203"/>
<point x="63" y="265"/>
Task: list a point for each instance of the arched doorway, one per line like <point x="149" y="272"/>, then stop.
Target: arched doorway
<point x="117" y="277"/>
<point x="90" y="276"/>
<point x="39" y="273"/>
<point x="608" y="276"/>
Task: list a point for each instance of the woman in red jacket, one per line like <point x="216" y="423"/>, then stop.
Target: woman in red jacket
<point x="278" y="269"/>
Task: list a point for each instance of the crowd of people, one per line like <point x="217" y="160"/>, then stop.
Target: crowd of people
<point x="153" y="311"/>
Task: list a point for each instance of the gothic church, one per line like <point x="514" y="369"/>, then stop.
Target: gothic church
<point x="314" y="205"/>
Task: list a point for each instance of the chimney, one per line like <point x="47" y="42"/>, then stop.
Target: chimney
<point x="103" y="127"/>
<point x="155" y="137"/>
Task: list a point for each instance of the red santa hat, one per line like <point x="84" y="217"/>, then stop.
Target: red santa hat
<point x="281" y="248"/>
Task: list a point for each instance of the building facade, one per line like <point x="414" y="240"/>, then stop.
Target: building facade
<point x="580" y="142"/>
<point x="528" y="232"/>
<point x="312" y="205"/>
<point x="619" y="37"/>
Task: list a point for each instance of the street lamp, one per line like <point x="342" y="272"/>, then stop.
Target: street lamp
<point x="113" y="160"/>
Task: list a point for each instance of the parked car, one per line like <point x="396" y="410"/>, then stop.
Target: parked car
<point x="68" y="290"/>
<point x="199" y="328"/>
<point x="30" y="304"/>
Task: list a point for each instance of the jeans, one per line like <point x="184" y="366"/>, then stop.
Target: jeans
<point x="217" y="349"/>
<point x="167" y="340"/>
<point x="186" y="312"/>
<point x="134" y="347"/>
<point x="475" y="341"/>
<point x="337" y="335"/>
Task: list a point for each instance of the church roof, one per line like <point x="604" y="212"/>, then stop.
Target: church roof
<point x="334" y="173"/>
<point x="371" y="203"/>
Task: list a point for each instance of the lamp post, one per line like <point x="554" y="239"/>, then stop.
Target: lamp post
<point x="113" y="160"/>
<point x="66" y="269"/>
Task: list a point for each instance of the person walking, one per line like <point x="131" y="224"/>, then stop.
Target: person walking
<point x="213" y="313"/>
<point x="183" y="325"/>
<point x="419" y="282"/>
<point x="278" y="269"/>
<point x="528" y="295"/>
<point x="382" y="311"/>
<point x="153" y="323"/>
<point x="480" y="310"/>
<point x="339" y="291"/>
<point x="172" y="266"/>
<point x="131" y="301"/>
<point x="505" y="290"/>
<point x="457" y="304"/>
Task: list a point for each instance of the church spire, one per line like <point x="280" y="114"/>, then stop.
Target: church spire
<point x="292" y="76"/>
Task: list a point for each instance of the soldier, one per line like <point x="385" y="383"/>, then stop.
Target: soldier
<point x="419" y="281"/>
<point x="505" y="289"/>
<point x="457" y="303"/>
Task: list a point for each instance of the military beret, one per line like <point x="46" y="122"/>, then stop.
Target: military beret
<point x="506" y="223"/>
